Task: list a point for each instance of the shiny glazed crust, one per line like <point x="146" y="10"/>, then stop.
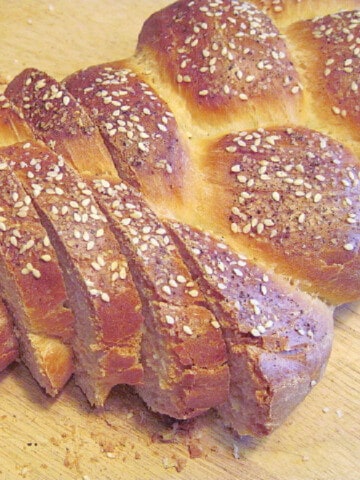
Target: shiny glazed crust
<point x="244" y="125"/>
<point x="107" y="309"/>
<point x="32" y="284"/>
<point x="137" y="126"/>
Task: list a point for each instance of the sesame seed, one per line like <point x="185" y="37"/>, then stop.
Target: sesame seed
<point x="105" y="297"/>
<point x="181" y="279"/>
<point x="193" y="293"/>
<point x="36" y="273"/>
<point x="349" y="247"/>
<point x="255" y="332"/>
<point x="90" y="245"/>
<point x="170" y="320"/>
<point x="215" y="324"/>
<point x="166" y="289"/>
<point x="275" y="196"/>
<point x="187" y="330"/>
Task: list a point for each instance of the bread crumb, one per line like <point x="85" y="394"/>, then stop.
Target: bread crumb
<point x="339" y="413"/>
<point x="305" y="458"/>
<point x="326" y="409"/>
<point x="180" y="464"/>
<point x="195" y="449"/>
<point x="236" y="451"/>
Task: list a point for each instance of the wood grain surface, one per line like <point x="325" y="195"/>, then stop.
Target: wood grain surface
<point x="63" y="438"/>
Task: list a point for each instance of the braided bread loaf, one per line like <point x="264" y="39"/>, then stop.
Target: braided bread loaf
<point x="210" y="183"/>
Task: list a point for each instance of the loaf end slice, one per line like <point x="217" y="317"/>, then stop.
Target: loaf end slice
<point x="32" y="286"/>
<point x="278" y="338"/>
<point x="107" y="308"/>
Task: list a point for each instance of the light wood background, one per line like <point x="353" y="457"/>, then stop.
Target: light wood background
<point x="41" y="438"/>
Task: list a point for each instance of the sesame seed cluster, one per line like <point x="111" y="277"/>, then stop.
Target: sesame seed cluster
<point x="47" y="106"/>
<point x="69" y="204"/>
<point x="295" y="188"/>
<point x="220" y="52"/>
<point x="134" y="121"/>
<point x="252" y="301"/>
<point x="338" y="42"/>
<point x="30" y="260"/>
<point x="147" y="242"/>
<point x="4" y="102"/>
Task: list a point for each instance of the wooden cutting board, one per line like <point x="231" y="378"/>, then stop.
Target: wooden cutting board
<point x="43" y="438"/>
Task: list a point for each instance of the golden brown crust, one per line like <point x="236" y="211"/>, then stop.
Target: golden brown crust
<point x="278" y="339"/>
<point x="291" y="196"/>
<point x="13" y="127"/>
<point x="147" y="244"/>
<point x="9" y="349"/>
<point x="183" y="353"/>
<point x="284" y="12"/>
<point x="225" y="59"/>
<point x="55" y="118"/>
<point x="107" y="309"/>
<point x="137" y="126"/>
<point x="327" y="49"/>
<point x="31" y="281"/>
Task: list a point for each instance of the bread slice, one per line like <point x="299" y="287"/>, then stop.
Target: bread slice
<point x="13" y="127"/>
<point x="278" y="338"/>
<point x="32" y="285"/>
<point x="55" y="118"/>
<point x="184" y="373"/>
<point x="183" y="353"/>
<point x="107" y="308"/>
<point x="9" y="348"/>
<point x="137" y="126"/>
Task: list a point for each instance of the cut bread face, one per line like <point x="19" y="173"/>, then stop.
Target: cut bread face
<point x="13" y="127"/>
<point x="9" y="348"/>
<point x="183" y="352"/>
<point x="107" y="308"/>
<point x="278" y="338"/>
<point x="32" y="286"/>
